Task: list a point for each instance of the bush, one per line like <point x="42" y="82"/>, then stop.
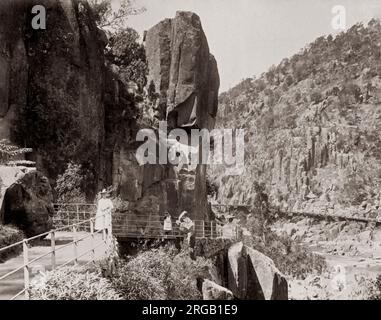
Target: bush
<point x="157" y="274"/>
<point x="8" y="236"/>
<point x="163" y="273"/>
<point x="125" y="51"/>
<point x="73" y="283"/>
<point x="10" y="152"/>
<point x="70" y="184"/>
<point x="374" y="292"/>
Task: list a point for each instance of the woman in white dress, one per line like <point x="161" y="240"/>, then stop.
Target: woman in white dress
<point x="104" y="209"/>
<point x="167" y="225"/>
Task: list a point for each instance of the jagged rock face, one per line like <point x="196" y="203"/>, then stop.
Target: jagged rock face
<point x="183" y="72"/>
<point x="242" y="271"/>
<point x="28" y="202"/>
<point x="57" y="95"/>
<point x="183" y="83"/>
<point x="213" y="291"/>
<point x="253" y="276"/>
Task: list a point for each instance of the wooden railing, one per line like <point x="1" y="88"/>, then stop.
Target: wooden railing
<point x="76" y="239"/>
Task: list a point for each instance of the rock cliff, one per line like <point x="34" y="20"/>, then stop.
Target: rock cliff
<point x="52" y="84"/>
<point x="182" y="88"/>
<point x="182" y="72"/>
<point x="60" y="97"/>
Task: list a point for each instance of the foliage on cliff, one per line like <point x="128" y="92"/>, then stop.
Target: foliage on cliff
<point x="313" y="120"/>
<point x="125" y="51"/>
<point x="9" y="152"/>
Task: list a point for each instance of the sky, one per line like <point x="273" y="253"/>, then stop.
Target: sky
<point x="249" y="36"/>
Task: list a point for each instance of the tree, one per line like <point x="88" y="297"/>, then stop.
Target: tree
<point x="9" y="152"/>
<point x="70" y="185"/>
<point x="126" y="52"/>
<point x="111" y="20"/>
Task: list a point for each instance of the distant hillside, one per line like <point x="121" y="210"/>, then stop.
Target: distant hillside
<point x="312" y="125"/>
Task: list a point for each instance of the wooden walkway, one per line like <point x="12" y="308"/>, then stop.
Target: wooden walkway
<point x="13" y="284"/>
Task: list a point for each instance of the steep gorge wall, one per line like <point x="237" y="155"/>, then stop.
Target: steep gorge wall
<point x="311" y="128"/>
<point x="53" y="83"/>
<point x="61" y="98"/>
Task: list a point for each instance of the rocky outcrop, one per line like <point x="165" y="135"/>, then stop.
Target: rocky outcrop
<point x="213" y="291"/>
<point x="250" y="275"/>
<point x="28" y="201"/>
<point x="182" y="72"/>
<point x="182" y="89"/>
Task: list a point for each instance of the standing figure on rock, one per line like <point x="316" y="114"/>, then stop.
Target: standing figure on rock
<point x="104" y="210"/>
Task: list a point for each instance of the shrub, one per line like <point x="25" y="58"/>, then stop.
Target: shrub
<point x="10" y="152"/>
<point x="73" y="283"/>
<point x="163" y="273"/>
<point x="375" y="289"/>
<point x="8" y="236"/>
<point x="70" y="184"/>
<point x="366" y="288"/>
<point x="125" y="51"/>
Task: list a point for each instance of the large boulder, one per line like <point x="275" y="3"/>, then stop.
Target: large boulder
<point x="253" y="276"/>
<point x="213" y="291"/>
<point x="28" y="203"/>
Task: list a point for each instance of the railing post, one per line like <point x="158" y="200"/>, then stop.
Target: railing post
<point x="211" y="229"/>
<point x="104" y="233"/>
<point x="53" y="248"/>
<point x="203" y="228"/>
<point x="92" y="239"/>
<point x="77" y="212"/>
<point x="26" y="268"/>
<point x="75" y="246"/>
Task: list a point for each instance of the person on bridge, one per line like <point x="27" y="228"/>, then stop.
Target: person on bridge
<point x="187" y="227"/>
<point x="168" y="224"/>
<point x="103" y="215"/>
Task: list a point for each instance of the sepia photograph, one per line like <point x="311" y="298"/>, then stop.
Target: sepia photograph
<point x="190" y="150"/>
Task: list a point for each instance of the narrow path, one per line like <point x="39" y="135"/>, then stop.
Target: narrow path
<point x="15" y="283"/>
